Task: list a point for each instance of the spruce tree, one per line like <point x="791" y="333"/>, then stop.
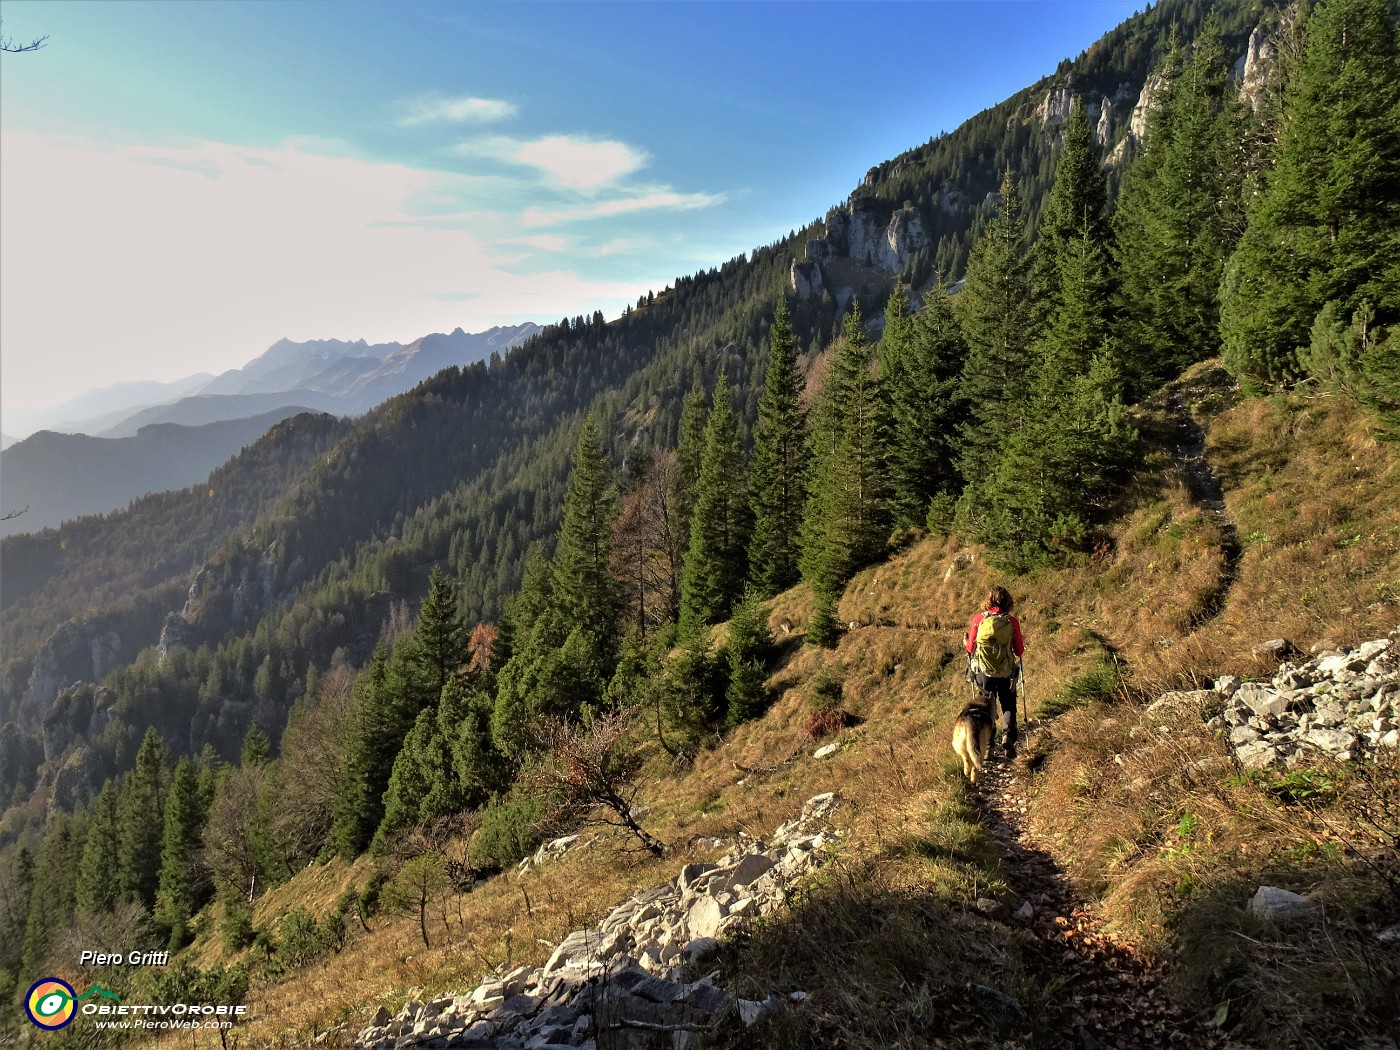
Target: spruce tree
<point x="690" y="449"/>
<point x="777" y="486"/>
<point x="256" y="749"/>
<point x="847" y="518"/>
<point x="441" y="636"/>
<point x="746" y="652"/>
<point x="1077" y="204"/>
<point x="97" y="890"/>
<point x="1177" y="213"/>
<point x="920" y="357"/>
<point x="998" y="323"/>
<point x="374" y="731"/>
<point x="715" y="569"/>
<point x="141" y="821"/>
<point x="1326" y="226"/>
<point x="177" y="897"/>
<point x="584" y="591"/>
<point x="51" y="899"/>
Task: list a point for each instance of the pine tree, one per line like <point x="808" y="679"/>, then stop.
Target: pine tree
<point x="97" y="890"/>
<point x="1326" y="226"/>
<point x="777" y="487"/>
<point x="998" y="323"/>
<point x="713" y="577"/>
<point x="920" y="356"/>
<point x="178" y="895"/>
<point x="141" y="821"/>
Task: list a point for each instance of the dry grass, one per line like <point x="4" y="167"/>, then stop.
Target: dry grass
<point x="1155" y="823"/>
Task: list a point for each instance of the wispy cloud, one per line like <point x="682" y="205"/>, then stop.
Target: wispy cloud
<point x="569" y="162"/>
<point x="545" y="242"/>
<point x="127" y="250"/>
<point x="645" y="201"/>
<point x="437" y="109"/>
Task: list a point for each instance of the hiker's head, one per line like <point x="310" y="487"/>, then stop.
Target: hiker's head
<point x="999" y="598"/>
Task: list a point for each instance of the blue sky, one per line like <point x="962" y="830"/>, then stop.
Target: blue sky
<point x="181" y="184"/>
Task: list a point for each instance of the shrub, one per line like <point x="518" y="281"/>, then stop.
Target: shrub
<point x="237" y="927"/>
<point x="511" y="828"/>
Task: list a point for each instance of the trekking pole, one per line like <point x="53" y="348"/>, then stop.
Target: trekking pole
<point x="1021" y="688"/>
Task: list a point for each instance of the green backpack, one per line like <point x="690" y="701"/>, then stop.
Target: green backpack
<point x="993" y="653"/>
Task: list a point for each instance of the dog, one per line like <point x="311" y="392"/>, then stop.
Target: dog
<point x="972" y="736"/>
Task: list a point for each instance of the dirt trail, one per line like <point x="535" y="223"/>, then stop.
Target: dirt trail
<point x="1205" y="486"/>
<point x="1097" y="992"/>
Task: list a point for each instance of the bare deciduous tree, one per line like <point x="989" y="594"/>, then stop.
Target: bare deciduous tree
<point x="593" y="767"/>
<point x="646" y="551"/>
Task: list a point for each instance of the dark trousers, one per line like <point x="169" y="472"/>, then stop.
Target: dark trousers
<point x="1004" y="691"/>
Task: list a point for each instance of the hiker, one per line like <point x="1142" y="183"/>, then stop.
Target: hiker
<point x="994" y="649"/>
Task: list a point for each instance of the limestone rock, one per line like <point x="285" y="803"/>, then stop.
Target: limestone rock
<point x="1273" y="904"/>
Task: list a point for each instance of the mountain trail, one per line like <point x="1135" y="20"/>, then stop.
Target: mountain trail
<point x="1097" y="992"/>
<point x="1190" y="451"/>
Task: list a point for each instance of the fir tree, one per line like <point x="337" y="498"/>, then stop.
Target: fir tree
<point x="777" y="486"/>
<point x="713" y="577"/>
<point x="1326" y="227"/>
<point x="178" y="895"/>
<point x="920" y="356"/>
<point x="141" y="821"/>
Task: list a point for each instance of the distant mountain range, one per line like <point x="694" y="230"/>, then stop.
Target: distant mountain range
<point x="6" y="441"/>
<point x="330" y="375"/>
<point x="63" y="476"/>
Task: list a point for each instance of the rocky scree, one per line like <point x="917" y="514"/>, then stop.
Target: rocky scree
<point x="629" y="976"/>
<point x="1339" y="705"/>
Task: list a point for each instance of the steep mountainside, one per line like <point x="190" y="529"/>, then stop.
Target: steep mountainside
<point x="327" y="375"/>
<point x="468" y="468"/>
<point x="63" y="476"/>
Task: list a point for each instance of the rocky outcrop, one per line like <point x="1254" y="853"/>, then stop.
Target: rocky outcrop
<point x="1148" y="100"/>
<point x="1341" y="705"/>
<point x="630" y="973"/>
<point x="79" y="711"/>
<point x="175" y="636"/>
<point x="864" y="231"/>
<point x="1261" y="57"/>
<point x="806" y="278"/>
<point x="75" y="652"/>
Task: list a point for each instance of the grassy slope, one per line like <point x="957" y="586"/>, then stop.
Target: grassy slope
<point x="1311" y="495"/>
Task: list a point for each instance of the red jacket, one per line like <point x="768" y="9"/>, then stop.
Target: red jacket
<point x="970" y="642"/>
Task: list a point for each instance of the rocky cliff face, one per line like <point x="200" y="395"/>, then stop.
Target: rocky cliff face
<point x="78" y="711"/>
<point x="76" y="652"/>
<point x="863" y="231"/>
